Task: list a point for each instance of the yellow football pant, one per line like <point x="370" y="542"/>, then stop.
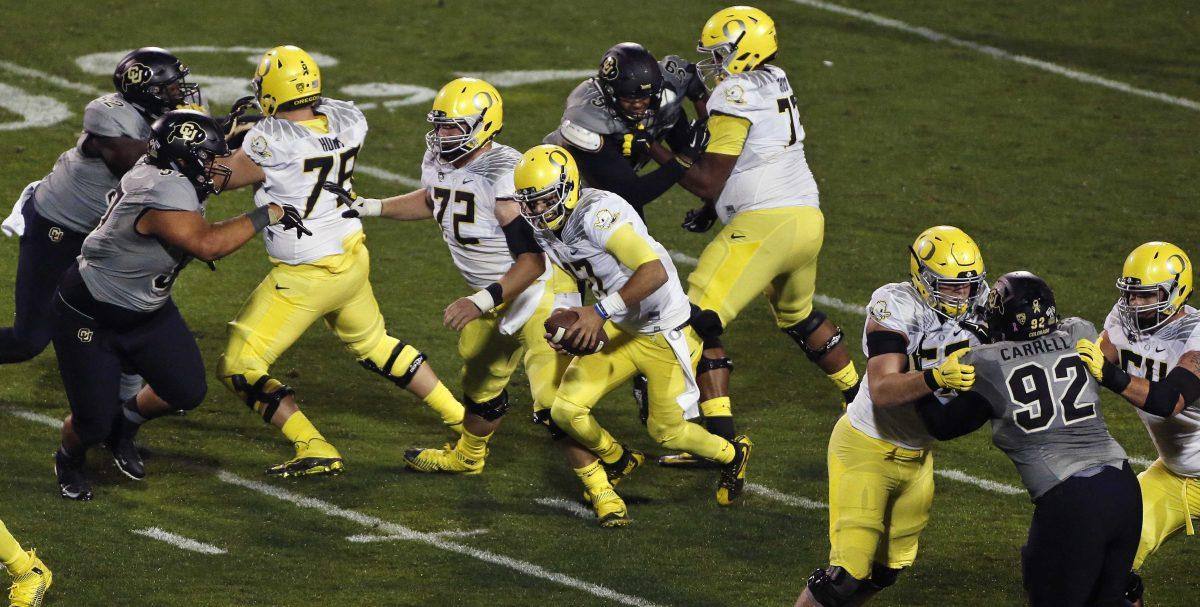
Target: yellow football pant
<point x="335" y="288"/>
<point x="772" y="251"/>
<point x="1169" y="503"/>
<point x="10" y="549"/>
<point x="879" y="500"/>
<point x="490" y="358"/>
<point x="589" y="378"/>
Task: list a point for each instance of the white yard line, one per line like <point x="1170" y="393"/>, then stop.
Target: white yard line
<point x="1141" y="461"/>
<point x="569" y="506"/>
<point x="34" y="417"/>
<point x="982" y="483"/>
<point x="59" y="81"/>
<point x="179" y="541"/>
<point x="1001" y="54"/>
<point x="791" y="500"/>
<point x="387" y="175"/>
<point x="432" y="539"/>
<point x="518" y="77"/>
<point x="369" y="538"/>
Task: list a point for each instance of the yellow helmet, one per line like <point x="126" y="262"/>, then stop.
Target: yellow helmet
<point x="286" y="78"/>
<point x="547" y="183"/>
<point x="945" y="257"/>
<point x="471" y="105"/>
<point x="738" y="39"/>
<point x="1154" y="269"/>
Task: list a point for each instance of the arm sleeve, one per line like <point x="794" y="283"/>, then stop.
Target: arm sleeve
<point x="964" y="414"/>
<point x="629" y="247"/>
<point x="518" y="234"/>
<point x="727" y="134"/>
<point x="606" y="169"/>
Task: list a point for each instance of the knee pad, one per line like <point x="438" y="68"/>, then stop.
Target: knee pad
<point x="882" y="577"/>
<point x="800" y="332"/>
<point x="401" y="365"/>
<point x="833" y="587"/>
<point x="542" y="417"/>
<point x="707" y="324"/>
<point x="664" y="434"/>
<point x="491" y="409"/>
<point x="262" y="396"/>
<point x="562" y="412"/>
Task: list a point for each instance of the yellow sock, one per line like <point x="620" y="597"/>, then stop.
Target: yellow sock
<point x="612" y="451"/>
<point x="441" y="400"/>
<point x="726" y="454"/>
<point x="594" y="478"/>
<point x="846" y="378"/>
<point x="472" y="447"/>
<point x="717" y="407"/>
<point x="14" y="558"/>
<point x="299" y="430"/>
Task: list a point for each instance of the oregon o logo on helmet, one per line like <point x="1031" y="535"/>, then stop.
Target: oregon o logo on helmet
<point x="733" y="29"/>
<point x="925" y="250"/>
<point x="482" y="100"/>
<point x="189" y="132"/>
<point x="558" y="158"/>
<point x="1176" y="265"/>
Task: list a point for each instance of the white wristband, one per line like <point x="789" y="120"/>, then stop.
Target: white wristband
<point x="613" y="304"/>
<point x="483" y="300"/>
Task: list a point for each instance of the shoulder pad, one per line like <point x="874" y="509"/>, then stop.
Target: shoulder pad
<point x="342" y="114"/>
<point x="674" y="70"/>
<point x="496" y="163"/>
<point x="112" y="116"/>
<point x="579" y="136"/>
<point x="586" y="108"/>
<point x="1078" y="328"/>
<point x="896" y="306"/>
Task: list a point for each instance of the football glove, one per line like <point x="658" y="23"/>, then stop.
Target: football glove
<point x="292" y="220"/>
<point x="953" y="374"/>
<point x="700" y="219"/>
<point x="697" y="140"/>
<point x="237" y="123"/>
<point x="1109" y="375"/>
<point x="635" y="144"/>
<point x="358" y="206"/>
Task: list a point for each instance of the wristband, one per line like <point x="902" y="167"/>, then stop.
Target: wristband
<point x="684" y="163"/>
<point x="601" y="311"/>
<point x="613" y="304"/>
<point x="930" y="380"/>
<point x="260" y="217"/>
<point x="1115" y="378"/>
<point x="487" y="298"/>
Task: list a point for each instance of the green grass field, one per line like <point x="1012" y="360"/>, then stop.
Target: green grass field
<point x="1048" y="173"/>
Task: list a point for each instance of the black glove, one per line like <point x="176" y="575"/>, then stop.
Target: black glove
<point x="696" y="141"/>
<point x="701" y="219"/>
<point x="696" y="89"/>
<point x="292" y="220"/>
<point x="635" y="144"/>
<point x="237" y="122"/>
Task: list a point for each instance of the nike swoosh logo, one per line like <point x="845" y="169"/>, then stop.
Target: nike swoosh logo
<point x="468" y="180"/>
<point x="279" y="288"/>
<point x="737" y="236"/>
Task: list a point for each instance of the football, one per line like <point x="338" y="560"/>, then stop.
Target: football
<point x="556" y="328"/>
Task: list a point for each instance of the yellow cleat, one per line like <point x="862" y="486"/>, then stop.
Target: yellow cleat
<point x="30" y="586"/>
<point x="446" y="459"/>
<point x="312" y="458"/>
<point x="610" y="509"/>
<point x="733" y="474"/>
<point x="630" y="460"/>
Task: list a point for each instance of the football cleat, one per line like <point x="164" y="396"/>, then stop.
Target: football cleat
<point x="29" y="587"/>
<point x="447" y="460"/>
<point x="733" y="474"/>
<point x="72" y="481"/>
<point x="630" y="460"/>
<point x="312" y="458"/>
<point x="127" y="457"/>
<point x="610" y="508"/>
<point x="685" y="460"/>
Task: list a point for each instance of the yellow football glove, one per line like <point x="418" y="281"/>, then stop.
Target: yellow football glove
<point x="1092" y="356"/>
<point x="953" y="374"/>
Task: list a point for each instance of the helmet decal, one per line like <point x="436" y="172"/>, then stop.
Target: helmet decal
<point x="608" y="69"/>
<point x="135" y="74"/>
<point x="188" y="132"/>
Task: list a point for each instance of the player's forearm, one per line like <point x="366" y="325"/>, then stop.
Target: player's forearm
<point x="244" y="171"/>
<point x="407" y="207"/>
<point x="1164" y="398"/>
<point x="703" y="179"/>
<point x="963" y="415"/>
<point x="225" y="237"/>
<point x="523" y="273"/>
<point x="645" y="280"/>
<point x="895" y="389"/>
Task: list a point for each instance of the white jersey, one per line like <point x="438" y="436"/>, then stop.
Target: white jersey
<point x="931" y="337"/>
<point x="580" y="250"/>
<point x="296" y="161"/>
<point x="1177" y="438"/>
<point x="771" y="171"/>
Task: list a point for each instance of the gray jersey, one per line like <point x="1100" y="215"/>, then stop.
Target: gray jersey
<point x="588" y="119"/>
<point x="121" y="266"/>
<point x="1045" y="406"/>
<point x="75" y="192"/>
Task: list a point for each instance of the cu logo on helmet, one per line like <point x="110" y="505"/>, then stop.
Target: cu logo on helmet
<point x="85" y="335"/>
<point x="189" y="132"/>
<point x="608" y="69"/>
<point x="136" y="74"/>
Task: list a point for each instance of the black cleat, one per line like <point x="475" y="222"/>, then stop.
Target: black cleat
<point x="641" y="395"/>
<point x="733" y="474"/>
<point x="127" y="458"/>
<point x="630" y="460"/>
<point x="72" y="481"/>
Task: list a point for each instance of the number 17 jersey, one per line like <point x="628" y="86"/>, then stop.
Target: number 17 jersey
<point x="297" y="160"/>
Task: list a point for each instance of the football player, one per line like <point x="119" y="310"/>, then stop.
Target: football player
<point x="600" y="239"/>
<point x="617" y="121"/>
<point x="1149" y="353"/>
<point x="31" y="577"/>
<point x="467" y="180"/>
<point x="1045" y="414"/>
<point x="880" y="462"/>
<point x="305" y="140"/>
<point x="66" y="204"/>
<point x="114" y="305"/>
<point x="754" y="177"/>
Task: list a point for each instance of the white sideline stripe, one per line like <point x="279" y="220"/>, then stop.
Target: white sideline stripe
<point x="387" y="175"/>
<point x="791" y="500"/>
<point x="567" y="505"/>
<point x="368" y="538"/>
<point x="998" y="53"/>
<point x="682" y="258"/>
<point x="179" y="541"/>
<point x="432" y="539"/>
<point x="519" y="77"/>
<point x="51" y="78"/>
<point x="982" y="483"/>
<point x="1141" y="461"/>
<point x="31" y="416"/>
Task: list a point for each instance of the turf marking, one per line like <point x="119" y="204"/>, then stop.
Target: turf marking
<point x="369" y="538"/>
<point x="179" y="541"/>
<point x="791" y="500"/>
<point x="33" y="110"/>
<point x="982" y="483"/>
<point x="1141" y="461"/>
<point x="386" y="175"/>
<point x="31" y="416"/>
<point x="1001" y="54"/>
<point x="432" y="539"/>
<point x="58" y="81"/>
<point x="566" y="505"/>
<point x="519" y="77"/>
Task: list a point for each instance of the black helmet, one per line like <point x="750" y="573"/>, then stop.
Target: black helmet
<point x="190" y="142"/>
<point x="1020" y="307"/>
<point x="628" y="70"/>
<point x="155" y="80"/>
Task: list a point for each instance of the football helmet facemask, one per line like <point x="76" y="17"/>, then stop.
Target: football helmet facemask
<point x="547" y="184"/>
<point x="155" y="80"/>
<point x="947" y="270"/>
<point x="190" y="142"/>
<point x="735" y="40"/>
<point x="1159" y="272"/>
<point x="470" y="107"/>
